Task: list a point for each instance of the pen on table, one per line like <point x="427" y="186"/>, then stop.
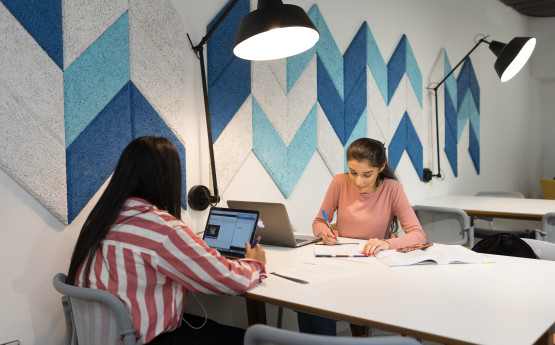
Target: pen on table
<point x="328" y="222"/>
<point x="255" y="242"/>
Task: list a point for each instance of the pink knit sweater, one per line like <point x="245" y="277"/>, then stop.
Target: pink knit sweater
<point x="366" y="216"/>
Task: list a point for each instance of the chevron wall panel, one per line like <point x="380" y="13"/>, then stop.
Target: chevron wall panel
<point x="32" y="116"/>
<point x="345" y="96"/>
<point x="71" y="102"/>
<point x="458" y="104"/>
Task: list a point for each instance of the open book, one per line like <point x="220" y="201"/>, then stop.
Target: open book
<point x="438" y="253"/>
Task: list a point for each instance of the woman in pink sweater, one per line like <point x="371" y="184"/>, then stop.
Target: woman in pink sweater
<point x="369" y="200"/>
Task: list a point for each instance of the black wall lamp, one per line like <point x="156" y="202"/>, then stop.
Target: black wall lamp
<point x="511" y="58"/>
<point x="273" y="31"/>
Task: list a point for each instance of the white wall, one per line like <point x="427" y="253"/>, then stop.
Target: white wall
<point x="35" y="245"/>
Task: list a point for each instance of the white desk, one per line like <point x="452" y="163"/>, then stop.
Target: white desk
<point x="482" y="206"/>
<point x="507" y="302"/>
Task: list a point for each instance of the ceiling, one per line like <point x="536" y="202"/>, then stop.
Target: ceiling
<point x="533" y="8"/>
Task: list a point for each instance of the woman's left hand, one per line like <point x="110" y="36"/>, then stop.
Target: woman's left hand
<point x="374" y="245"/>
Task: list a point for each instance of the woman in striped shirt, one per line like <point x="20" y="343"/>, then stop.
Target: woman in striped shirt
<point x="135" y="246"/>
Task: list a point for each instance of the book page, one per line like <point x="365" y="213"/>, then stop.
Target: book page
<point x="447" y="254"/>
<point x="437" y="253"/>
<point x="394" y="258"/>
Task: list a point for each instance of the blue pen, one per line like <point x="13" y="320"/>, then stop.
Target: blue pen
<point x="328" y="222"/>
<point x="255" y="242"/>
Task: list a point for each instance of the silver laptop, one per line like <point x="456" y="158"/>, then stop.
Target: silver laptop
<point x="228" y="229"/>
<point x="277" y="229"/>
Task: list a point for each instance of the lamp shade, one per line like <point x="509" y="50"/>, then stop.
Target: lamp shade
<point x="274" y="31"/>
<point x="512" y="57"/>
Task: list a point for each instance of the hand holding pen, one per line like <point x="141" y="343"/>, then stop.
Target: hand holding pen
<point x="330" y="237"/>
<point x="255" y="251"/>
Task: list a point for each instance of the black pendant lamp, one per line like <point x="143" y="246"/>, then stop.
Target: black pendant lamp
<point x="274" y="31"/>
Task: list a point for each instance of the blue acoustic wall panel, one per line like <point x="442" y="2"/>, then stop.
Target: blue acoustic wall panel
<point x="93" y="155"/>
<point x="146" y="121"/>
<point x="229" y="78"/>
<point x="43" y="21"/>
<point x="95" y="77"/>
<point x="405" y="138"/>
<point x="74" y="116"/>
<point x="357" y="94"/>
<point x="285" y="164"/>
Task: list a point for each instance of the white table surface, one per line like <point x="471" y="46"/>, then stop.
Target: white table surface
<point x="507" y="302"/>
<point x="517" y="208"/>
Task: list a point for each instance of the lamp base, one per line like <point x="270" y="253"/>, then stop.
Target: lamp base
<point x="427" y="175"/>
<point x="198" y="198"/>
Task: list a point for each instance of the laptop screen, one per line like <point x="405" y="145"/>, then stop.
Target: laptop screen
<point x="228" y="229"/>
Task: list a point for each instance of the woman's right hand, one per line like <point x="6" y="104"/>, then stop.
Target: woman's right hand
<point x="327" y="238"/>
<point x="256" y="253"/>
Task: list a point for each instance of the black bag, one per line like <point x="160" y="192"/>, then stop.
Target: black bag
<point x="505" y="244"/>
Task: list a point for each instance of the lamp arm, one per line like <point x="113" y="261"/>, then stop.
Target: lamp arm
<point x="435" y="88"/>
<point x="201" y="196"/>
<point x="216" y="197"/>
<point x="215" y="26"/>
<point x="482" y="40"/>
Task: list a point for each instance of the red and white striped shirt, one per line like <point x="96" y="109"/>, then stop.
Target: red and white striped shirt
<point x="148" y="260"/>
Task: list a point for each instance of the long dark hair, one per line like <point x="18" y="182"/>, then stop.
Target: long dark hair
<point x="373" y="151"/>
<point x="148" y="168"/>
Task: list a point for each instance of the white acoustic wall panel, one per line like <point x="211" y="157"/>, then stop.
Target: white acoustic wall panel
<point x="160" y="79"/>
<point x="84" y="21"/>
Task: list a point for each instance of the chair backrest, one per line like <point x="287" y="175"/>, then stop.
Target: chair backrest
<point x="486" y="226"/>
<point x="445" y="225"/>
<point x="544" y="250"/>
<point x="548" y="188"/>
<point x="94" y="316"/>
<point x="548" y="228"/>
<point x="262" y="334"/>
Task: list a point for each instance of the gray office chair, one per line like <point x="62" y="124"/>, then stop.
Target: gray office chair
<point x="544" y="250"/>
<point x="93" y="316"/>
<point x="262" y="334"/>
<point x="547" y="232"/>
<point x="445" y="225"/>
<point x="484" y="227"/>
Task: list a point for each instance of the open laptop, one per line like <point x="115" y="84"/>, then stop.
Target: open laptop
<point x="277" y="229"/>
<point x="228" y="229"/>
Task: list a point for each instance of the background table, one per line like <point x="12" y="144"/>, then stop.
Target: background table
<point x="507" y="302"/>
<point x="482" y="206"/>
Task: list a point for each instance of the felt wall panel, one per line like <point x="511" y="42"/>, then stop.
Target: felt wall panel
<point x="155" y="70"/>
<point x="31" y="76"/>
<point x="163" y="25"/>
<point x="359" y="131"/>
<point x="84" y="21"/>
<point x="329" y="146"/>
<point x="31" y="155"/>
<point x="285" y="164"/>
<point x="234" y="144"/>
<point x="69" y="149"/>
<point x="43" y="21"/>
<point x="95" y="77"/>
<point x="271" y="97"/>
<point x="146" y="121"/>
<point x="357" y="95"/>
<point x="229" y="78"/>
<point x="93" y="155"/>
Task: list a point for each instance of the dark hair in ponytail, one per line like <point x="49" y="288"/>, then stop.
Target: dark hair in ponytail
<point x="148" y="168"/>
<point x="373" y="151"/>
